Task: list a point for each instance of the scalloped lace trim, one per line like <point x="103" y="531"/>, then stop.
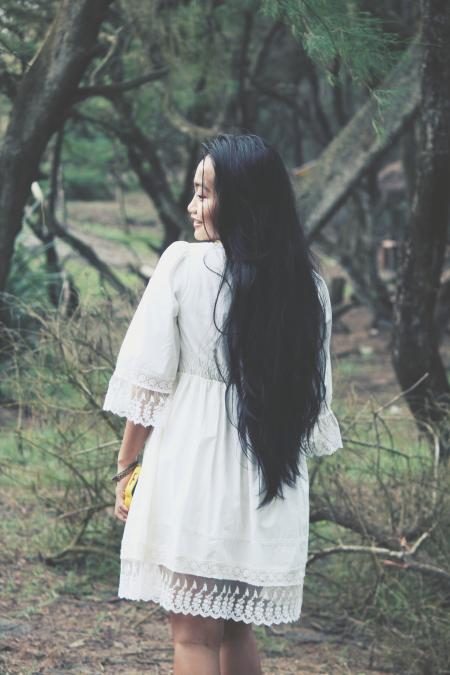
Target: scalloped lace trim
<point x="209" y="597"/>
<point x="136" y="403"/>
<point x="326" y="437"/>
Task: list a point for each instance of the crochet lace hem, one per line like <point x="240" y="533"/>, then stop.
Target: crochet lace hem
<point x="326" y="437"/>
<point x="137" y="403"/>
<point x="218" y="598"/>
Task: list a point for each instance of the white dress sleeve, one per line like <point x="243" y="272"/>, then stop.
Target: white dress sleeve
<point x="147" y="362"/>
<point x="326" y="436"/>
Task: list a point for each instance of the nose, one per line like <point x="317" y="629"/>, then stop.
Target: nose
<point x="189" y="206"/>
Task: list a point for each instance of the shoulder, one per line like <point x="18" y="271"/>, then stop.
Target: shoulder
<point x="195" y="252"/>
<point x="180" y="251"/>
<point x="172" y="258"/>
<point x="176" y="251"/>
<point x="183" y="258"/>
<point x="172" y="271"/>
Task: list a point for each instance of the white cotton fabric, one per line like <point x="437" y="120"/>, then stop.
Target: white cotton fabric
<point x="194" y="540"/>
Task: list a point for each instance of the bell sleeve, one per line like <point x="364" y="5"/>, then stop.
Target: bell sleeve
<point x="326" y="436"/>
<point x="147" y="363"/>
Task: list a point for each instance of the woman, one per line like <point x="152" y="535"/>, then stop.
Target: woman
<point x="224" y="376"/>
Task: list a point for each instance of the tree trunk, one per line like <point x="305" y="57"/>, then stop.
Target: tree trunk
<point x="325" y="187"/>
<point x="358" y="247"/>
<point x="415" y="342"/>
<point x="42" y="101"/>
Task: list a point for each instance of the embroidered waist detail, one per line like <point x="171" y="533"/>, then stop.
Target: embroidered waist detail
<point x="201" y="367"/>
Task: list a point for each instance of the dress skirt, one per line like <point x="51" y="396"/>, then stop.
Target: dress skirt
<point x="194" y="541"/>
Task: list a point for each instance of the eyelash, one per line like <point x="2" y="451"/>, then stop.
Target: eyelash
<point x="200" y="196"/>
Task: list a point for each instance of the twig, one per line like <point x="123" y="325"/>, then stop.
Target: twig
<point x="401" y="394"/>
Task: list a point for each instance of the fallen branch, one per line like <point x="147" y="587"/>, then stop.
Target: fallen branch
<point x="399" y="559"/>
<point x="82" y="249"/>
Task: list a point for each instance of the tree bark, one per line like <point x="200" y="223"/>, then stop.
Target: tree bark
<point x="415" y="340"/>
<point x="147" y="165"/>
<point x="325" y="187"/>
<point x="43" y="98"/>
<point x="358" y="246"/>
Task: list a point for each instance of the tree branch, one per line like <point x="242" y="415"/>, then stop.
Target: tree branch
<point x="399" y="559"/>
<point x="111" y="90"/>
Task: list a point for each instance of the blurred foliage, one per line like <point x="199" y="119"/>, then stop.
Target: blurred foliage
<point x="23" y="25"/>
<point x="29" y="280"/>
<point x="87" y="157"/>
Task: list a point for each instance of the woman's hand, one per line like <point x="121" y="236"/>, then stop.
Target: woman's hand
<point x="134" y="437"/>
<point x="120" y="510"/>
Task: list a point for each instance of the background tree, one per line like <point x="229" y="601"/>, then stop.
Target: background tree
<point x="40" y="105"/>
<point x="415" y="340"/>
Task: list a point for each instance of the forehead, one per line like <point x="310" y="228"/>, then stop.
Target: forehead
<point x="206" y="167"/>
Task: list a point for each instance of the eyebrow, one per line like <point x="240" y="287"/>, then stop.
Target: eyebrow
<point x="200" y="185"/>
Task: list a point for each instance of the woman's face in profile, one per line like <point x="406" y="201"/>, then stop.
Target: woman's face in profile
<point x="201" y="207"/>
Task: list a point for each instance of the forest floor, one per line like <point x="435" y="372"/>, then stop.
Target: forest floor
<point x="53" y="620"/>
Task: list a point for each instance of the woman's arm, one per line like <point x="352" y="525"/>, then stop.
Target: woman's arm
<point x="133" y="440"/>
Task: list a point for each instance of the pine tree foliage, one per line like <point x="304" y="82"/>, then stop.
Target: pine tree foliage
<point x="337" y="29"/>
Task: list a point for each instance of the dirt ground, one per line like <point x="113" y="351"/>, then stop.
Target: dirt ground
<point x="51" y="624"/>
<point x="57" y="618"/>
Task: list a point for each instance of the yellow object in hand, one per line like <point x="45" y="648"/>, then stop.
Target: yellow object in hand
<point x="131" y="486"/>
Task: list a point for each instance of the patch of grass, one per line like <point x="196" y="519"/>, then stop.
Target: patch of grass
<point x="273" y="645"/>
<point x="88" y="279"/>
<point x="135" y="237"/>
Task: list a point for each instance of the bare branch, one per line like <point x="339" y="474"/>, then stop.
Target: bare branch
<point x="393" y="557"/>
<point x="194" y="131"/>
<point x="111" y="90"/>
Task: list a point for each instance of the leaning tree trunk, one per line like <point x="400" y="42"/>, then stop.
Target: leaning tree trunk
<point x="415" y="342"/>
<point x="323" y="189"/>
<point x="43" y="99"/>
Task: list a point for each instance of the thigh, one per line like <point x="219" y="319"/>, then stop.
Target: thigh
<point x="196" y="629"/>
<point x="236" y="629"/>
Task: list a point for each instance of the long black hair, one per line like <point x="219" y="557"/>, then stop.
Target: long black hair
<point x="274" y="331"/>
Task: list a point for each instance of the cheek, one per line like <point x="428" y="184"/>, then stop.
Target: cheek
<point x="208" y="206"/>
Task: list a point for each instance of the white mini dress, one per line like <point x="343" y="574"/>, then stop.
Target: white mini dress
<point x="194" y="541"/>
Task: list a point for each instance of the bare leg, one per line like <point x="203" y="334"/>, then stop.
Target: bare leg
<point x="239" y="651"/>
<point x="197" y="643"/>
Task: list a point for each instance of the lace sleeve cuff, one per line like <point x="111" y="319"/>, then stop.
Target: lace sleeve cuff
<point x="138" y="404"/>
<point x="326" y="437"/>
